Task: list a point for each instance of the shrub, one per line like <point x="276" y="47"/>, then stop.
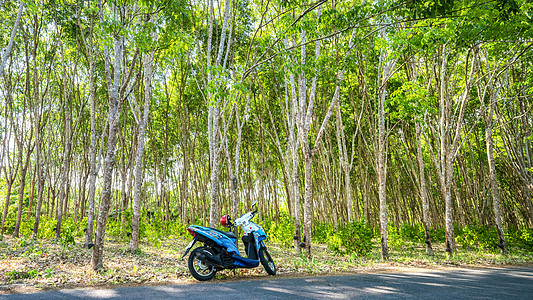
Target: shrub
<point x="438" y="235"/>
<point x="394" y="238"/>
<point x="46" y="228"/>
<point x="322" y="232"/>
<point x="478" y="236"/>
<point x="352" y="238"/>
<point x="414" y="233"/>
<point x="15" y="275"/>
<point x="521" y="238"/>
<point x="282" y="231"/>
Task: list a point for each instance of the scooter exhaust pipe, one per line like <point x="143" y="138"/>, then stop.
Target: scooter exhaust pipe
<point x="210" y="259"/>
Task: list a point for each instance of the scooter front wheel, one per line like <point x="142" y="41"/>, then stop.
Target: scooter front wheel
<point x="266" y="261"/>
<point x="199" y="269"/>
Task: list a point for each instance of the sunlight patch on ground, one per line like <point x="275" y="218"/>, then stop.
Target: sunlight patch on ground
<point x="380" y="290"/>
<point x="89" y="293"/>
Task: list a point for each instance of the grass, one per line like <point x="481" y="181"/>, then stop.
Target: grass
<point x="45" y="264"/>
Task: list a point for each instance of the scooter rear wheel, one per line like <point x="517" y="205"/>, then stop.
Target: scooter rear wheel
<point x="199" y="269"/>
<point x="266" y="261"/>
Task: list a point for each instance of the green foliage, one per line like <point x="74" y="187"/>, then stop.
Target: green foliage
<point x="352" y="238"/>
<point x="438" y="234"/>
<point x="67" y="240"/>
<point x="46" y="228"/>
<point x="303" y="262"/>
<point x="520" y="238"/>
<point x="410" y="100"/>
<point x="49" y="272"/>
<point x="414" y="233"/>
<point x="282" y="231"/>
<point x="322" y="231"/>
<point x="394" y="239"/>
<point x="16" y="275"/>
<point x="477" y="236"/>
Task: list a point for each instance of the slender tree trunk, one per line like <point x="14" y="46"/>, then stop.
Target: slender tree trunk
<point x="92" y="146"/>
<point x="39" y="164"/>
<point x="494" y="188"/>
<point x="148" y="61"/>
<point x="6" y="205"/>
<point x="488" y="115"/>
<point x="345" y="164"/>
<point x="382" y="172"/>
<point x="63" y="186"/>
<point x="308" y="201"/>
<point x="115" y="105"/>
<point x="386" y="65"/>
<point x="7" y="52"/>
<point x="423" y="190"/>
<point x="22" y="186"/>
<point x="92" y="154"/>
<point x="294" y="174"/>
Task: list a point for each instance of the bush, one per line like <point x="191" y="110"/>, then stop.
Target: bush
<point x="521" y="238"/>
<point x="282" y="231"/>
<point x="477" y="236"/>
<point x="394" y="239"/>
<point x="413" y="233"/>
<point x="438" y="235"/>
<point x="46" y="228"/>
<point x="322" y="232"/>
<point x="352" y="238"/>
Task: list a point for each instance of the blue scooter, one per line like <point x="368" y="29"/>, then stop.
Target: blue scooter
<point x="219" y="251"/>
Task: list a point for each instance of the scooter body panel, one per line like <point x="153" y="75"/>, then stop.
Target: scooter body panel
<point x="242" y="262"/>
<point x="217" y="237"/>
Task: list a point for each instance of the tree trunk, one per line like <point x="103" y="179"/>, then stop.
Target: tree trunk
<point x="382" y="171"/>
<point x="308" y="201"/>
<point x="7" y="52"/>
<point x="488" y="115"/>
<point x="115" y="105"/>
<point x="63" y="186"/>
<point x="214" y="112"/>
<point x="494" y="186"/>
<point x="423" y="190"/>
<point x="39" y="165"/>
<point x="22" y="186"/>
<point x="148" y="61"/>
<point x="92" y="146"/>
<point x="6" y="205"/>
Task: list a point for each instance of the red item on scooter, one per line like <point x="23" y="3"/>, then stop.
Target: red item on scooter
<point x="225" y="221"/>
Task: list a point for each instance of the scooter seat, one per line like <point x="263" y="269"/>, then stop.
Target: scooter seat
<point x="226" y="233"/>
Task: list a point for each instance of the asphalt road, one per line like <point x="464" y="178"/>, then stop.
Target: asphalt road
<point x="485" y="283"/>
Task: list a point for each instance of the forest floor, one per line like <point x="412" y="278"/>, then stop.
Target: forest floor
<point x="30" y="266"/>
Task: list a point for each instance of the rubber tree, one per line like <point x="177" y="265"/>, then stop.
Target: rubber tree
<point x="148" y="64"/>
<point x="7" y="51"/>
<point x="215" y="107"/>
<point x="116" y="90"/>
<point x="304" y="118"/>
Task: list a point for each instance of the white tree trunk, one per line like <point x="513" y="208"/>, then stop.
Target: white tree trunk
<point x="214" y="113"/>
<point x="488" y="115"/>
<point x="423" y="190"/>
<point x="382" y="171"/>
<point x="7" y="52"/>
<point x="148" y="61"/>
<point x="115" y="105"/>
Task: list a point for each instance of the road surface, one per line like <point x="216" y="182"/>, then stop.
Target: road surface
<point x="484" y="283"/>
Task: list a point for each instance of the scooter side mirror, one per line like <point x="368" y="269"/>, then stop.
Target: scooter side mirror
<point x="254" y="203"/>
